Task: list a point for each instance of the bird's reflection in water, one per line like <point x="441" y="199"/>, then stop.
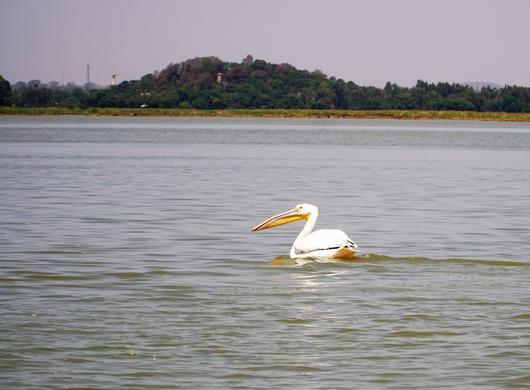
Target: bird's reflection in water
<point x="283" y="260"/>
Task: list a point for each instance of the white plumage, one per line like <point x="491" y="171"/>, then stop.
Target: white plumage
<point x="321" y="243"/>
<point x="322" y="240"/>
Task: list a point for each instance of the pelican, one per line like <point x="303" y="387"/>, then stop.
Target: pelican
<point x="331" y="244"/>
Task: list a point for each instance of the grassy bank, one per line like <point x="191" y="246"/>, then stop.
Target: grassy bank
<point x="273" y="113"/>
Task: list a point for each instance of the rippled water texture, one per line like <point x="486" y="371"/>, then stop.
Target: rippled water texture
<point x="126" y="258"/>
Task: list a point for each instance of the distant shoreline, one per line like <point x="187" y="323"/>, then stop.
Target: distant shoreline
<point x="273" y="113"/>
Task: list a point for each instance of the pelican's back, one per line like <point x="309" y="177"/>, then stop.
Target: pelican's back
<point x="323" y="240"/>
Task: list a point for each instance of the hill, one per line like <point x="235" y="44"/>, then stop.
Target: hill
<point x="210" y="83"/>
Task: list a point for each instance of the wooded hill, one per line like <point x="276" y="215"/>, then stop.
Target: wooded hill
<point x="210" y="83"/>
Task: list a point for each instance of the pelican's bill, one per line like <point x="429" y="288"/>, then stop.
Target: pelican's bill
<point x="280" y="219"/>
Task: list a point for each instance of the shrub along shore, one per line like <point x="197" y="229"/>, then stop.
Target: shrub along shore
<point x="273" y="113"/>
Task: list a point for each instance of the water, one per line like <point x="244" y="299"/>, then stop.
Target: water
<point x="127" y="261"/>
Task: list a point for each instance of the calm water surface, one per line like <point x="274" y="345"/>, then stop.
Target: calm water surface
<point x="126" y="258"/>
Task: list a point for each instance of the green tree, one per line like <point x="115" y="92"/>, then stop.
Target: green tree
<point x="5" y="92"/>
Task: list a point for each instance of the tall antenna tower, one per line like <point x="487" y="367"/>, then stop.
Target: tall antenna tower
<point x="88" y="73"/>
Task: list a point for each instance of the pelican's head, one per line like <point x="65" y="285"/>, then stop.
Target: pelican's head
<point x="301" y="211"/>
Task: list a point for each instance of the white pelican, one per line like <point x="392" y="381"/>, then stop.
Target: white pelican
<point x="331" y="244"/>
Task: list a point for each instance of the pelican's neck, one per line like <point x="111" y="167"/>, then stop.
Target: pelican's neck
<point x="308" y="228"/>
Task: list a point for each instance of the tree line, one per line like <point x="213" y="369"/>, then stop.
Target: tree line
<point x="209" y="83"/>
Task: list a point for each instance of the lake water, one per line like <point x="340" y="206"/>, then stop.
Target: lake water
<point x="127" y="261"/>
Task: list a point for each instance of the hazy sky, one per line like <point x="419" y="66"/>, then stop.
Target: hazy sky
<point x="366" y="41"/>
